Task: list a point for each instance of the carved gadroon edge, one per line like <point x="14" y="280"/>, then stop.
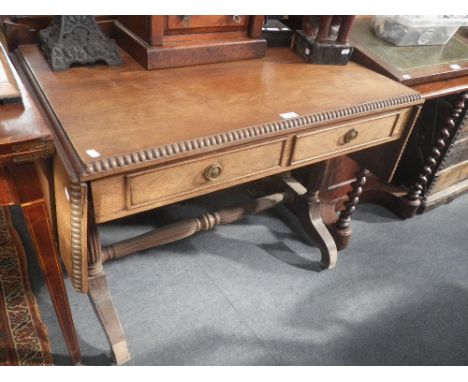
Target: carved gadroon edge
<point x="120" y="161"/>
<point x="76" y="236"/>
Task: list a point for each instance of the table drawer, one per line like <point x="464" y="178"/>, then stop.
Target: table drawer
<point x="348" y="137"/>
<point x="172" y="181"/>
<point x="197" y="23"/>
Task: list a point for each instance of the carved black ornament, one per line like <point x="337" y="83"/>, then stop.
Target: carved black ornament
<point x="76" y="39"/>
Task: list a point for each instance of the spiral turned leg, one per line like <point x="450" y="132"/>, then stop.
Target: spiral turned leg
<point x="341" y="230"/>
<point x="416" y="193"/>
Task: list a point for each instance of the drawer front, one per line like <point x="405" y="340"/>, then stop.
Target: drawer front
<point x="185" y="178"/>
<point x="450" y="176"/>
<point x="348" y="137"/>
<point x="198" y="24"/>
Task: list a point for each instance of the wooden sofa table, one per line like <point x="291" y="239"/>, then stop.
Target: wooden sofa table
<point x="25" y="144"/>
<point x="130" y="140"/>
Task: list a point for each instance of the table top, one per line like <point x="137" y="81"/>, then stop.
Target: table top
<point x="24" y="134"/>
<point x="116" y="118"/>
<point x="411" y="65"/>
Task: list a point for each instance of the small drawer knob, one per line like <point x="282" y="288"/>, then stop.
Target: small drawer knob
<point x="237" y="19"/>
<point x="213" y="171"/>
<point x="350" y="135"/>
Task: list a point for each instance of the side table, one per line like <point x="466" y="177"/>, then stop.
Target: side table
<point x="25" y="143"/>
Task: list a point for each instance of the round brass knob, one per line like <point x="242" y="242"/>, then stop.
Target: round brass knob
<point x="213" y="171"/>
<point x="350" y="135"/>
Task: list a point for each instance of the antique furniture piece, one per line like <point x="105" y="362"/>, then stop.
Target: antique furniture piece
<point x="276" y="33"/>
<point x="20" y="30"/>
<point x="169" y="41"/>
<point x="76" y="40"/>
<point x="434" y="168"/>
<point x="324" y="39"/>
<point x="411" y="65"/>
<point x="25" y="143"/>
<point x="144" y="139"/>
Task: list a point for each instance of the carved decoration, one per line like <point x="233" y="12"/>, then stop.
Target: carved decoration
<point x="186" y="228"/>
<point x="76" y="39"/>
<point x="343" y="222"/>
<point x="76" y="195"/>
<point x="418" y="190"/>
<point x="121" y="161"/>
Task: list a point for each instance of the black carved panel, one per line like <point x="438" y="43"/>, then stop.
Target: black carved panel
<point x="76" y="39"/>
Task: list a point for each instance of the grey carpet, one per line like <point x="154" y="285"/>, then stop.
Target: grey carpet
<point x="250" y="293"/>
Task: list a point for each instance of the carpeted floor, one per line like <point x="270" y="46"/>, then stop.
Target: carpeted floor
<point x="250" y="293"/>
<point x="23" y="335"/>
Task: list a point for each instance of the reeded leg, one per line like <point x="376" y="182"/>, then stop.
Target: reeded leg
<point x="102" y="301"/>
<point x="40" y="229"/>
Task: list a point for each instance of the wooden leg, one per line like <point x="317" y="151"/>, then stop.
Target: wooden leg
<point x="105" y="309"/>
<point x="309" y="214"/>
<point x="39" y="227"/>
<point x="29" y="193"/>
<point x="101" y="299"/>
<point x="413" y="198"/>
<point x="341" y="230"/>
<point x="306" y="206"/>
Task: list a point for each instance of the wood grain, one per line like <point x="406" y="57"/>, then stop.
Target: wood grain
<point x="167" y="112"/>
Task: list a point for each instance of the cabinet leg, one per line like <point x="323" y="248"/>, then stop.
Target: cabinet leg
<point x="39" y="226"/>
<point x="413" y="199"/>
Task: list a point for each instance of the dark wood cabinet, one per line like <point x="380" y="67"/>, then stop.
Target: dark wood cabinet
<point x="170" y="41"/>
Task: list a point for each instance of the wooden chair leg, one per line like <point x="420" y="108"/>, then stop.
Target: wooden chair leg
<point x="39" y="226"/>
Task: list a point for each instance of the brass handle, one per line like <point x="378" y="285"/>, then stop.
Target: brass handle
<point x="212" y="172"/>
<point x="350" y="135"/>
<point x="237" y="19"/>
